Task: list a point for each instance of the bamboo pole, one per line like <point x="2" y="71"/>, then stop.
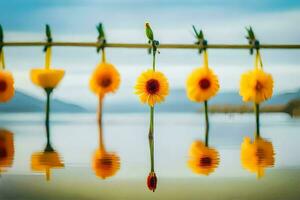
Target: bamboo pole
<point x="140" y="45"/>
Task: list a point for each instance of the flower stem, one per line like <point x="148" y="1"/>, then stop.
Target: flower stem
<point x="2" y="62"/>
<point x="47" y="120"/>
<point x="206" y="123"/>
<point x="153" y="60"/>
<point x="205" y="58"/>
<point x="257" y="119"/>
<point x="100" y="108"/>
<point x="151" y="139"/>
<point x="103" y="56"/>
<point x="48" y="58"/>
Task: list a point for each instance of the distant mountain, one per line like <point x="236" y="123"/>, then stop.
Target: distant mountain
<point x="26" y="103"/>
<point x="177" y="101"/>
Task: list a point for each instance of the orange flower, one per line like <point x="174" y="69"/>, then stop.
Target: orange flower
<point x="152" y="87"/>
<point x="105" y="79"/>
<point x="256" y="86"/>
<point x="45" y="161"/>
<point x="203" y="160"/>
<point x="105" y="164"/>
<point x="7" y="149"/>
<point x="7" y="89"/>
<point x="257" y="155"/>
<point x="46" y="78"/>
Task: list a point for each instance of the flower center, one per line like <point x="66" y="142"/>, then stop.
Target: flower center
<point x="106" y="163"/>
<point x="205" y="161"/>
<point x="104" y="81"/>
<point x="152" y="86"/>
<point x="258" y="86"/>
<point x="3" y="86"/>
<point x="260" y="153"/>
<point x="3" y="153"/>
<point x="204" y="83"/>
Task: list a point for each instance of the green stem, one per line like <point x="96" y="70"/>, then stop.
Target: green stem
<point x="2" y="64"/>
<point x="206" y="123"/>
<point x="153" y="60"/>
<point x="151" y="139"/>
<point x="257" y="119"/>
<point x="48" y="93"/>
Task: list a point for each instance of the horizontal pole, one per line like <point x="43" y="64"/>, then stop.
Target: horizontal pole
<point x="162" y="46"/>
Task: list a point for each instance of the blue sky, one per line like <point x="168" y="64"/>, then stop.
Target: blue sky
<point x="222" y="22"/>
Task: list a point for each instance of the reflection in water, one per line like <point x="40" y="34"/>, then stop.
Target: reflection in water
<point x="257" y="155"/>
<point x="105" y="164"/>
<point x="6" y="149"/>
<point x="151" y="179"/>
<point x="46" y="160"/>
<point x="203" y="159"/>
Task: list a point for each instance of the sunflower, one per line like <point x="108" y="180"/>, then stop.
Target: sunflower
<point x="203" y="160"/>
<point x="47" y="78"/>
<point x="105" y="164"/>
<point x="202" y="84"/>
<point x="7" y="89"/>
<point x="6" y="149"/>
<point x="45" y="161"/>
<point x="105" y="79"/>
<point x="256" y="86"/>
<point x="152" y="87"/>
<point x="257" y="155"/>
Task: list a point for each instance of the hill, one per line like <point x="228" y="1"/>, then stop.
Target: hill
<point x="25" y="103"/>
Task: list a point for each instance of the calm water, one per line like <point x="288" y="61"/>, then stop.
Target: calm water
<point x="69" y="173"/>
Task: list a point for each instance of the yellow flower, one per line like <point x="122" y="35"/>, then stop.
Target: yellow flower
<point x="7" y="89"/>
<point x="105" y="164"/>
<point x="257" y="155"/>
<point x="152" y="87"/>
<point x="256" y="86"/>
<point x="47" y="78"/>
<point x="45" y="161"/>
<point x="202" y="84"/>
<point x="105" y="79"/>
<point x="202" y="159"/>
<point x="7" y="149"/>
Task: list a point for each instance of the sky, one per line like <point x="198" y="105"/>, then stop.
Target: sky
<point x="222" y="22"/>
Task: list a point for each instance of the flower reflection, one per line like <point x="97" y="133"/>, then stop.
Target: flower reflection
<point x="46" y="160"/>
<point x="257" y="155"/>
<point x="105" y="164"/>
<point x="6" y="149"/>
<point x="152" y="181"/>
<point x="202" y="159"/>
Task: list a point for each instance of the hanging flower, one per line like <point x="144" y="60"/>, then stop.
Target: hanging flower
<point x="256" y="86"/>
<point x="257" y="155"/>
<point x="202" y="159"/>
<point x="152" y="87"/>
<point x="6" y="149"/>
<point x="6" y="86"/>
<point x="152" y="181"/>
<point x="105" y="79"/>
<point x="45" y="161"/>
<point x="202" y="84"/>
<point x="46" y="78"/>
<point x="105" y="164"/>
